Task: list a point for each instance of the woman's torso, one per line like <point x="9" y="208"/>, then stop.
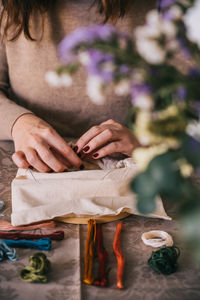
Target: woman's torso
<point x="68" y="110"/>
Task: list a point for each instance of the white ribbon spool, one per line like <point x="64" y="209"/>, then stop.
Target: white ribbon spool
<point x="157" y="238"/>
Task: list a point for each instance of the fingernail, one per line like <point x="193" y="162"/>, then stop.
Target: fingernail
<point x="75" y="148"/>
<point x="95" y="155"/>
<point x="82" y="167"/>
<point x="86" y="148"/>
<point x="79" y="154"/>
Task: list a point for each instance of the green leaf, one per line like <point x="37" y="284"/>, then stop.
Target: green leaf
<point x="191" y="150"/>
<point x="146" y="205"/>
<point x="164" y="170"/>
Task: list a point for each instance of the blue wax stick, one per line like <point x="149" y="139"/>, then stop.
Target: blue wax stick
<point x="41" y="244"/>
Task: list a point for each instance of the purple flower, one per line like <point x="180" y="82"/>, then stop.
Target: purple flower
<point x="84" y="36"/>
<point x="124" y="69"/>
<point x="137" y="89"/>
<point x="98" y="62"/>
<point x="194" y="72"/>
<point x="163" y="4"/>
<point x="181" y="93"/>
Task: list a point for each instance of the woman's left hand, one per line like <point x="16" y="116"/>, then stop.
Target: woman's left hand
<point x="105" y="139"/>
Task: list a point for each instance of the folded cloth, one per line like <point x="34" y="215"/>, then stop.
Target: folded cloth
<point x="95" y="193"/>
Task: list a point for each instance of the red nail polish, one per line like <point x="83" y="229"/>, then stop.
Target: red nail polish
<point x="95" y="155"/>
<point x="82" y="167"/>
<point x="75" y="148"/>
<point x="87" y="148"/>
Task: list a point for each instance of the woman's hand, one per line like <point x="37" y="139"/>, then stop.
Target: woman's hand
<point x="107" y="138"/>
<point x="38" y="145"/>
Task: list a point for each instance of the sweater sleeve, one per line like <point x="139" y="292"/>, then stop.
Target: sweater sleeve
<point x="9" y="110"/>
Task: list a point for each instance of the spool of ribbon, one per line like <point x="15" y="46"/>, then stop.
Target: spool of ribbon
<point x="7" y="252"/>
<point x="37" y="272"/>
<point x="41" y="244"/>
<point x="164" y="260"/>
<point x="157" y="238"/>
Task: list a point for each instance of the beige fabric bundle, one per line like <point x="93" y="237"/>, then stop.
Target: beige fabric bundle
<point x="89" y="193"/>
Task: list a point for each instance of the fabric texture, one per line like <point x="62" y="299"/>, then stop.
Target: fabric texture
<point x="89" y="193"/>
<point x="24" y="64"/>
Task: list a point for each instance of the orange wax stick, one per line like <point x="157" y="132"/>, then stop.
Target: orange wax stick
<point x="89" y="252"/>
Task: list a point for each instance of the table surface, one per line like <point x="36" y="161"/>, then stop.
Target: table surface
<point x="67" y="258"/>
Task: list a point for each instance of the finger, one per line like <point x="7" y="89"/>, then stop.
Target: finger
<point x="34" y="160"/>
<point x="107" y="150"/>
<point x="20" y="160"/>
<point x="87" y="136"/>
<point x="101" y="140"/>
<point x="61" y="158"/>
<point x="49" y="158"/>
<point x="57" y="142"/>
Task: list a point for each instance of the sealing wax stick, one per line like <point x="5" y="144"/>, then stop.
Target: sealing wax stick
<point x="57" y="235"/>
<point x="4" y="225"/>
<point x="102" y="279"/>
<point x="89" y="252"/>
<point x="41" y="244"/>
<point x="119" y="256"/>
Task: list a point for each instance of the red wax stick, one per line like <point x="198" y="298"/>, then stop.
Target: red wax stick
<point x="102" y="279"/>
<point x="57" y="235"/>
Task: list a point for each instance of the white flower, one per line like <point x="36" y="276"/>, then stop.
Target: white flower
<point x="153" y="18"/>
<point x="95" y="89"/>
<point x="151" y="51"/>
<point x="84" y="58"/>
<point x="191" y="20"/>
<point x="52" y="78"/>
<point x="143" y="101"/>
<point x="176" y="12"/>
<point x="56" y="80"/>
<point x="169" y="29"/>
<point x="65" y="80"/>
<point x="193" y="129"/>
<point x="122" y="88"/>
<point x="147" y="32"/>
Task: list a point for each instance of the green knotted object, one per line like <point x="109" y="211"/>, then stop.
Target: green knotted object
<point x="38" y="270"/>
<point x="164" y="260"/>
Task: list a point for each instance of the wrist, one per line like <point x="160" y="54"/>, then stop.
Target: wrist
<point x="20" y="121"/>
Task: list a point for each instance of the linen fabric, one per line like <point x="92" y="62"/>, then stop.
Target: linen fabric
<point x="88" y="193"/>
<point x="24" y="64"/>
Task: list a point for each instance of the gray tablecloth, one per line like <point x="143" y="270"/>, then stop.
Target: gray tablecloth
<point x="67" y="258"/>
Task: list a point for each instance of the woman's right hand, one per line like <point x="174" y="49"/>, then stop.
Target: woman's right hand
<point x="38" y="145"/>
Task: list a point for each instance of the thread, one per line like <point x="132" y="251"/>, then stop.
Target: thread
<point x="7" y="252"/>
<point x="41" y="244"/>
<point x="57" y="235"/>
<point x="164" y="260"/>
<point x="37" y="272"/>
<point x="157" y="238"/>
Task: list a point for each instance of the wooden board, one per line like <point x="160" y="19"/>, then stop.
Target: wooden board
<point x="84" y="220"/>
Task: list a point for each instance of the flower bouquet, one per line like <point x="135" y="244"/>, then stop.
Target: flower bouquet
<point x="159" y="69"/>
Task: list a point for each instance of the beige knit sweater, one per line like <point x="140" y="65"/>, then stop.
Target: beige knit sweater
<point x="23" y="65"/>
